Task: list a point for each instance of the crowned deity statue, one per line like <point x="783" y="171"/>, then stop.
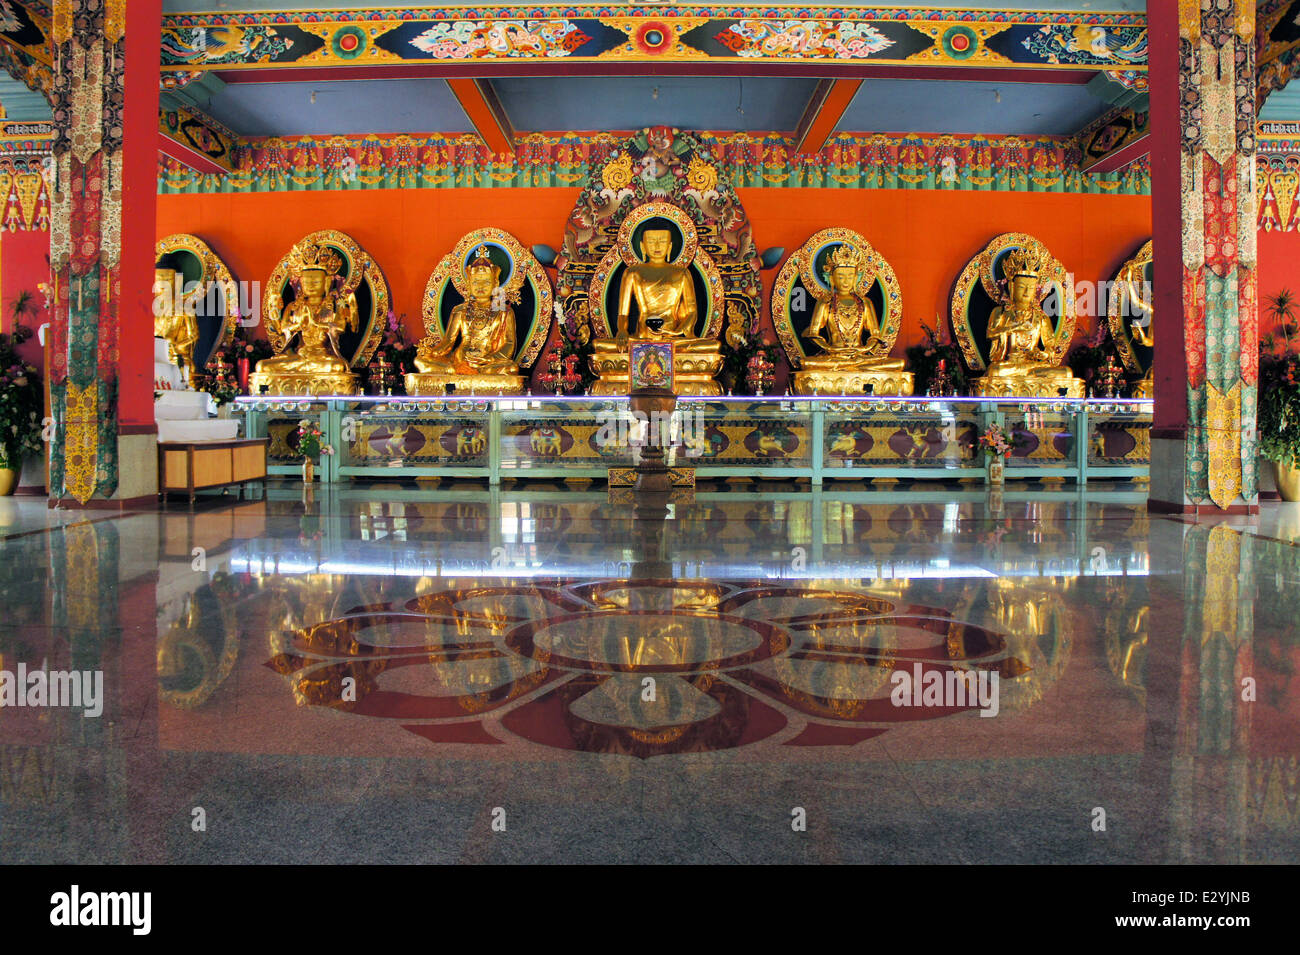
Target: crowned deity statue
<point x="480" y="336"/>
<point x="173" y="323"/>
<point x="844" y="318"/>
<point x="1022" y="338"/>
<point x="317" y="317"/>
<point x="664" y="294"/>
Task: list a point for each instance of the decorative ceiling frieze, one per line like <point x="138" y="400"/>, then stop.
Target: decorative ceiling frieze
<point x="957" y="163"/>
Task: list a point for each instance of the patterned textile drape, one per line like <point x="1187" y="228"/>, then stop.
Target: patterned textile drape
<point x="1217" y="86"/>
<point x="89" y="74"/>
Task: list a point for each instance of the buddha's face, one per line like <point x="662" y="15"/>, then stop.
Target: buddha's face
<point x="656" y="244"/>
<point x="313" y="283"/>
<point x="1024" y="290"/>
<point x="844" y="280"/>
<point x="482" y="282"/>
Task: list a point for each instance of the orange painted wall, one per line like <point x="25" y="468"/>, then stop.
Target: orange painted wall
<point x="1279" y="267"/>
<point x="926" y="235"/>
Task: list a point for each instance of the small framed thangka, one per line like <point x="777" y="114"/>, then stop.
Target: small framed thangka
<point x="651" y="365"/>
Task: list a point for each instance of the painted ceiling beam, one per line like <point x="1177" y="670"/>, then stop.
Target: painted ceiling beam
<point x="1114" y="140"/>
<point x="485" y="112"/>
<point x="26" y="48"/>
<point x="610" y="68"/>
<point x="823" y="113"/>
<point x="1274" y="37"/>
<point x="196" y="140"/>
<point x="648" y="36"/>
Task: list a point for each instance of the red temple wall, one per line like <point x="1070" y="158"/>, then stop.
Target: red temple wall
<point x="926" y="235"/>
<point x="24" y="266"/>
<point x="1278" y="268"/>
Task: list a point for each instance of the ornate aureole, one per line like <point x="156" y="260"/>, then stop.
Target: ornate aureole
<point x="518" y="267"/>
<point x="192" y="258"/>
<point x="1120" y="314"/>
<point x="686" y="248"/>
<point x="803" y="269"/>
<point x="979" y="281"/>
<point x="361" y="268"/>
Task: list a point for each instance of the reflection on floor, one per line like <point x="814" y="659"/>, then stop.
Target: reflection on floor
<point x="380" y="673"/>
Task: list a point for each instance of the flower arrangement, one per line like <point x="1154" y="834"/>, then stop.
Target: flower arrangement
<point x="569" y="370"/>
<point x="220" y="381"/>
<point x="748" y="360"/>
<point x="563" y="374"/>
<point x="1090" y="358"/>
<point x="311" y="440"/>
<point x="22" y="402"/>
<point x="247" y="348"/>
<point x="759" y="371"/>
<point x="996" y="442"/>
<point x="395" y="351"/>
<point x="937" y="364"/>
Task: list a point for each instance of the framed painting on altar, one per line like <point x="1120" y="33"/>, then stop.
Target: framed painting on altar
<point x="651" y="365"/>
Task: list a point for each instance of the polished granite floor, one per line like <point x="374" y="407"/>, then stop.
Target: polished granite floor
<point x="387" y="673"/>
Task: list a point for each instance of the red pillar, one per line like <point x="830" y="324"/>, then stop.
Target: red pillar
<point x="1170" y="362"/>
<point x="139" y="219"/>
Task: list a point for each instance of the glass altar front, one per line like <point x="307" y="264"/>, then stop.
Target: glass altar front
<point x="817" y="439"/>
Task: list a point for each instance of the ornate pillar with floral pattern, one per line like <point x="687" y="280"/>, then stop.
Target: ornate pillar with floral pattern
<point x="100" y="388"/>
<point x="1203" y="211"/>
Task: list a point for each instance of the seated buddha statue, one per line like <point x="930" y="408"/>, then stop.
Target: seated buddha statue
<point x="1022" y="339"/>
<point x="841" y="319"/>
<point x="316" y="318"/>
<point x="173" y="323"/>
<point x="664" y="295"/>
<point x="854" y="354"/>
<point x="480" y="338"/>
<point x="477" y="353"/>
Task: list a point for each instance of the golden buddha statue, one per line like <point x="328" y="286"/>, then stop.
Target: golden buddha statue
<point x="317" y="318"/>
<point x="477" y="352"/>
<point x="1142" y="331"/>
<point x="842" y="317"/>
<point x="1023" y="339"/>
<point x="664" y="295"/>
<point x="173" y="323"/>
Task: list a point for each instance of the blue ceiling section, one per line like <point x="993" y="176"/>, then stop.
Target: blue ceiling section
<point x="347" y="107"/>
<point x="1283" y="104"/>
<point x="22" y="104"/>
<point x="631" y="102"/>
<point x="935" y="106"/>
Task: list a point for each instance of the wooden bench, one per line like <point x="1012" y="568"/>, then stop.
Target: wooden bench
<point x="185" y="467"/>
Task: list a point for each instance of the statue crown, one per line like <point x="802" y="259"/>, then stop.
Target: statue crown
<point x="319" y="258"/>
<point x="482" y="260"/>
<point x="843" y="256"/>
<point x="1023" y="262"/>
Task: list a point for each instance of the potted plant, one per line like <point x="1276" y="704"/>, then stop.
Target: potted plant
<point x="1278" y="408"/>
<point x="311" y="444"/>
<point x="22" y="403"/>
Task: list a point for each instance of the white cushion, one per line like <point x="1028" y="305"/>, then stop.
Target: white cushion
<point x="215" y="429"/>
